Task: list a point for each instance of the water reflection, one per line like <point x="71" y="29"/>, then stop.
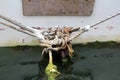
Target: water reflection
<point x="25" y="63"/>
<point x="91" y="63"/>
<point x="65" y="70"/>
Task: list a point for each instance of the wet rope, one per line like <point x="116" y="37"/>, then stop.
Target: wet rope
<point x="50" y="57"/>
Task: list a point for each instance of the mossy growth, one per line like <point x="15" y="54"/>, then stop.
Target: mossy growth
<point x="98" y="44"/>
<point x="51" y="71"/>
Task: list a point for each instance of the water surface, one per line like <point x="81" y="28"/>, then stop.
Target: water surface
<point x="92" y="62"/>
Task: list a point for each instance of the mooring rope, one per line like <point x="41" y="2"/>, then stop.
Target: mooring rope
<point x="82" y="31"/>
<point x="50" y="57"/>
<point x="105" y="20"/>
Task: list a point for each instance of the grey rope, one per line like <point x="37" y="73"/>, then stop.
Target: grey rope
<point x="105" y="20"/>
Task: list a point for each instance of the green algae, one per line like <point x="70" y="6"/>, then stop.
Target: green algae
<point x="51" y="71"/>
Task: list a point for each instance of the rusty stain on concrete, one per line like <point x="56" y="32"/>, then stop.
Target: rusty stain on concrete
<point x="2" y="29"/>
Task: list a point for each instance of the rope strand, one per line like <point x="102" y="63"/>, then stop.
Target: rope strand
<point x="105" y="20"/>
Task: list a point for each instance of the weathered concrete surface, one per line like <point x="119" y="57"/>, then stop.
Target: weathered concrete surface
<point x="102" y="9"/>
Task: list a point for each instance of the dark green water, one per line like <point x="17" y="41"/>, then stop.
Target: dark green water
<point x="99" y="61"/>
